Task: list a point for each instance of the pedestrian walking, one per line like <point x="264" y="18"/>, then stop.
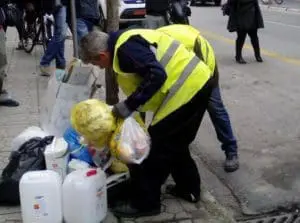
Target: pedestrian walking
<point x="191" y="38"/>
<point x="245" y="17"/>
<point x="5" y="99"/>
<point x="156" y="12"/>
<point x="56" y="47"/>
<point x="87" y="14"/>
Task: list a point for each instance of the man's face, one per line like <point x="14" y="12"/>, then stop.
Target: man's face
<point x="102" y="60"/>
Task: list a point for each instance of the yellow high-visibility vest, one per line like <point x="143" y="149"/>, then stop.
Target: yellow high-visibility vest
<point x="186" y="74"/>
<point x="191" y="38"/>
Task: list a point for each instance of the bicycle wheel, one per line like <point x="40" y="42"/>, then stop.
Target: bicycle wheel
<point x="29" y="40"/>
<point x="278" y="2"/>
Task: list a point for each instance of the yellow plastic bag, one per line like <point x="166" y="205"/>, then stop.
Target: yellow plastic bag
<point x="130" y="142"/>
<point x="118" y="167"/>
<point x="94" y="120"/>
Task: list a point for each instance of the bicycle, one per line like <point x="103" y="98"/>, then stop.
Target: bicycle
<point x="38" y="33"/>
<point x="269" y="2"/>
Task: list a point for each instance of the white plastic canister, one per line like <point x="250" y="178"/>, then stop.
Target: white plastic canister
<point x="56" y="155"/>
<point x="84" y="196"/>
<point x="41" y="197"/>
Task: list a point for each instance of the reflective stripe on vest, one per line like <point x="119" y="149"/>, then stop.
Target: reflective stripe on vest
<point x="192" y="39"/>
<point x="184" y="75"/>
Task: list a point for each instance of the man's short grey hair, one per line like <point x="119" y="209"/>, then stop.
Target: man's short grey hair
<point x="92" y="44"/>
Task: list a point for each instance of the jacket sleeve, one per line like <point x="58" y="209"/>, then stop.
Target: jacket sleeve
<point x="137" y="55"/>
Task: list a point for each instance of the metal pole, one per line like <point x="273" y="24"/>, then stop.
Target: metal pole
<point x="74" y="29"/>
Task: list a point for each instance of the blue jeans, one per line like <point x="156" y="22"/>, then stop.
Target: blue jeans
<point x="221" y="122"/>
<point x="56" y="47"/>
<point x="83" y="27"/>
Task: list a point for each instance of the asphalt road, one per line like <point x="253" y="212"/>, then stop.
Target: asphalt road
<point x="263" y="102"/>
<point x="290" y="4"/>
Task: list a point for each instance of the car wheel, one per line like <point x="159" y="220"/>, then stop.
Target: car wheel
<point x="217" y="2"/>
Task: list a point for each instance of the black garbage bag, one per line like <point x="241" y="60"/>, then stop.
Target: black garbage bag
<point x="29" y="157"/>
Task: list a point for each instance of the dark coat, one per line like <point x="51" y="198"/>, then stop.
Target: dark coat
<point x="85" y="9"/>
<point x="244" y="15"/>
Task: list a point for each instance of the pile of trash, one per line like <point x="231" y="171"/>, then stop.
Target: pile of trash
<point x="79" y="152"/>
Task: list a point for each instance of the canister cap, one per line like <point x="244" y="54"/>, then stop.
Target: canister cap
<point x="91" y="173"/>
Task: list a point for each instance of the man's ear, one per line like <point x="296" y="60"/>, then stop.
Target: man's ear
<point x="102" y="56"/>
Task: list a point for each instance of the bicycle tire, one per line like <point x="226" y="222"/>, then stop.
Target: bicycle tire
<point x="29" y="37"/>
<point x="278" y="2"/>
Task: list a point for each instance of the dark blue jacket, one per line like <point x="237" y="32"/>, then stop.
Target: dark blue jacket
<point x="86" y="9"/>
<point x="135" y="56"/>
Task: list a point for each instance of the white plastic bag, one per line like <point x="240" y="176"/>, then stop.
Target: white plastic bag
<point x="26" y="135"/>
<point x="64" y="90"/>
<point x="133" y="145"/>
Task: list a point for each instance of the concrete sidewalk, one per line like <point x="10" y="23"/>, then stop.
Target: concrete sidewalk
<point x="26" y="86"/>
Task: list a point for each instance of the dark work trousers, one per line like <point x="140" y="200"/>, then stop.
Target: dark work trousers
<point x="170" y="154"/>
<point x="241" y="36"/>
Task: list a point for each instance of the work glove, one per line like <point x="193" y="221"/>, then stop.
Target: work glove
<point x="121" y="110"/>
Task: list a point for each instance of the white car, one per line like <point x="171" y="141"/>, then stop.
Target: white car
<point x="130" y="11"/>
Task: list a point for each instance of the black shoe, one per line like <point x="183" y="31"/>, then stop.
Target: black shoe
<point x="127" y="211"/>
<point x="240" y="60"/>
<point x="231" y="163"/>
<point x="171" y="189"/>
<point x="259" y="59"/>
<point x="5" y="100"/>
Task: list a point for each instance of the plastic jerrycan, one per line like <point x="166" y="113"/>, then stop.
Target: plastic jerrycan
<point x="41" y="197"/>
<point x="56" y="156"/>
<point x="84" y="196"/>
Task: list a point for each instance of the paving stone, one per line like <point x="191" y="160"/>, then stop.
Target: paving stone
<point x="182" y="215"/>
<point x="12" y="217"/>
<point x="172" y="206"/>
<point x="199" y="221"/>
<point x="158" y="218"/>
<point x="110" y="218"/>
<point x="186" y="221"/>
<point x="20" y="119"/>
<point x="187" y="206"/>
<point x="163" y="217"/>
<point x="200" y="213"/>
<point x="9" y="210"/>
<point x="11" y="131"/>
<point x="5" y="145"/>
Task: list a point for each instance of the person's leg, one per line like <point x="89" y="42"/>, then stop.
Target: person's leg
<point x="3" y="59"/>
<point x="83" y="28"/>
<point x="55" y="47"/>
<point x="5" y="99"/>
<point x="221" y="121"/>
<point x="62" y="30"/>
<point x="154" y="22"/>
<point x="184" y="170"/>
<point x="170" y="138"/>
<point x="20" y="27"/>
<point x="241" y="36"/>
<point x="255" y="43"/>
